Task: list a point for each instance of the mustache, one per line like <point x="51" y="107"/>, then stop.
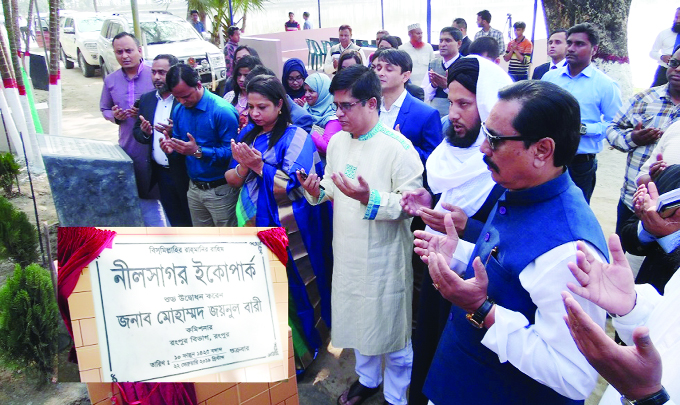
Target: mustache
<point x="491" y="164"/>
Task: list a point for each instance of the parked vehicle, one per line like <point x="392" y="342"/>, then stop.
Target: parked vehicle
<point x="162" y="33"/>
<point x="78" y="39"/>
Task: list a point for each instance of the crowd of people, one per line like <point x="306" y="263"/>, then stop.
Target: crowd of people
<point x="443" y="180"/>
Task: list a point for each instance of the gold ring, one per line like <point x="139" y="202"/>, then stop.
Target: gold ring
<point x="436" y="286"/>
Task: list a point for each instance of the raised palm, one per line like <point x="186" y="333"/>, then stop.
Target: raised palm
<point x="610" y="286"/>
<point x="445" y="245"/>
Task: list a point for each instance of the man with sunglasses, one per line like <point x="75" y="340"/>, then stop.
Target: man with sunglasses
<point x="506" y="341"/>
<point x="637" y="128"/>
<point x="368" y="167"/>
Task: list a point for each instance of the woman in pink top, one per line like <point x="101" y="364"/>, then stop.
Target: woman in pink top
<point x="320" y="106"/>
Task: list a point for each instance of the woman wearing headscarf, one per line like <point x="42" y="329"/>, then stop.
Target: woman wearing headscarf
<point x="294" y="75"/>
<point x="320" y="106"/>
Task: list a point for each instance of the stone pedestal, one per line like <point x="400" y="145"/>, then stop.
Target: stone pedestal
<point x="92" y="182"/>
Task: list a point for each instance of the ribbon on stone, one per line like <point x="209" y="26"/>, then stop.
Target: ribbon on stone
<point x="276" y="240"/>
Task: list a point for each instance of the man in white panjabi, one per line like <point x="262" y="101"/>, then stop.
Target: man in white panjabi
<point x="368" y="167"/>
<point x="456" y="170"/>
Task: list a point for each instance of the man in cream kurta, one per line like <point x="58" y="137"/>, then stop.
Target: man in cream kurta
<point x="368" y="167"/>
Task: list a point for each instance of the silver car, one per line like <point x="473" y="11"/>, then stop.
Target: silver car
<point x="78" y="40"/>
<point x="164" y="33"/>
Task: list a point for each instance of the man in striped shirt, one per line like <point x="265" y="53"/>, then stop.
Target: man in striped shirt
<point x="519" y="54"/>
<point x="637" y="127"/>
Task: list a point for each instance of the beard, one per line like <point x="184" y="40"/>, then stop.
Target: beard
<point x="466" y="140"/>
<point x="161" y="87"/>
<point x="676" y="28"/>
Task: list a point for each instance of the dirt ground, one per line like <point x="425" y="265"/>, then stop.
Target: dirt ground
<point x="334" y="368"/>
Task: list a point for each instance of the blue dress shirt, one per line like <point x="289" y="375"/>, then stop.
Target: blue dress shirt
<point x="599" y="98"/>
<point x="213" y="122"/>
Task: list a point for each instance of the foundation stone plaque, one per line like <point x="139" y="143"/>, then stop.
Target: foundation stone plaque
<point x="92" y="182"/>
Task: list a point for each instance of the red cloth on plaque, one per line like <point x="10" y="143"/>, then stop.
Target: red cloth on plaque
<point x="77" y="247"/>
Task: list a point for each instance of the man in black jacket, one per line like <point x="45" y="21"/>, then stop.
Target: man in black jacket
<point x="557" y="51"/>
<point x="169" y="171"/>
<point x="465" y="44"/>
<point x="655" y="234"/>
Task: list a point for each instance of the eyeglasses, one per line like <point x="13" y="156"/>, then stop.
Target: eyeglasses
<point x="495" y="140"/>
<point x="344" y="107"/>
<point x="674" y="63"/>
<point x="293" y="79"/>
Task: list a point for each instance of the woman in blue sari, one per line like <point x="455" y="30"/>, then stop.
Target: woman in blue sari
<point x="266" y="156"/>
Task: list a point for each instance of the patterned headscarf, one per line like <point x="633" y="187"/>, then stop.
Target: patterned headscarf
<point x="294" y="65"/>
<point x="323" y="110"/>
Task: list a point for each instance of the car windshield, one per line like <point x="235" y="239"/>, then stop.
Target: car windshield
<point x="161" y="32"/>
<point x="90" y="24"/>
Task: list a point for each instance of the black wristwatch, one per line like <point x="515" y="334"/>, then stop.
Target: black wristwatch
<point x="199" y="152"/>
<point x="584" y="129"/>
<point x="658" y="398"/>
<point x="477" y="318"/>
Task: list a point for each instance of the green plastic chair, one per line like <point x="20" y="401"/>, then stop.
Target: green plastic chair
<point x="319" y="55"/>
<point x="327" y="46"/>
<point x="311" y="52"/>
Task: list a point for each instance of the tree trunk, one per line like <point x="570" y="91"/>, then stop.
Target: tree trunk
<point x="29" y="20"/>
<point x="8" y="95"/>
<point x="611" y="18"/>
<point x="55" y="80"/>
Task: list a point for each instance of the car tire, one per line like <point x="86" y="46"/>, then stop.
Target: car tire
<point x="86" y="68"/>
<point x="67" y="63"/>
<point x="105" y="71"/>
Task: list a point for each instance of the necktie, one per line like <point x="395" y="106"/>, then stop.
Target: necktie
<point x="553" y="67"/>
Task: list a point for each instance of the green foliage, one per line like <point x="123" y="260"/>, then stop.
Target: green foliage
<point x="29" y="321"/>
<point x="18" y="237"/>
<point x="9" y="169"/>
<point x="220" y="10"/>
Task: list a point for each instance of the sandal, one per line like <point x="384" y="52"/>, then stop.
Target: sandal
<point x="356" y="394"/>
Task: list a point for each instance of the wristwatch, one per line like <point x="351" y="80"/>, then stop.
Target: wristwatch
<point x="199" y="152"/>
<point x="658" y="398"/>
<point x="477" y="318"/>
<point x="584" y="129"/>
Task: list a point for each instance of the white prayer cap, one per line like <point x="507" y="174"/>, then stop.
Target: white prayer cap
<point x="413" y="27"/>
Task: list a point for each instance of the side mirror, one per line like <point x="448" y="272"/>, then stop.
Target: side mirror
<point x="69" y="30"/>
<point x="205" y="35"/>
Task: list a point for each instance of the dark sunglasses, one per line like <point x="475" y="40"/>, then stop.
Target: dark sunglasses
<point x="495" y="140"/>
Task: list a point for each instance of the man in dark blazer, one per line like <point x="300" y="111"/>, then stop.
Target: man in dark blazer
<point x="654" y="234"/>
<point x="401" y="111"/>
<point x="557" y="51"/>
<point x="465" y="44"/>
<point x="169" y="171"/>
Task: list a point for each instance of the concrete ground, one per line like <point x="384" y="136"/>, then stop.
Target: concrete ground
<point x="333" y="370"/>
